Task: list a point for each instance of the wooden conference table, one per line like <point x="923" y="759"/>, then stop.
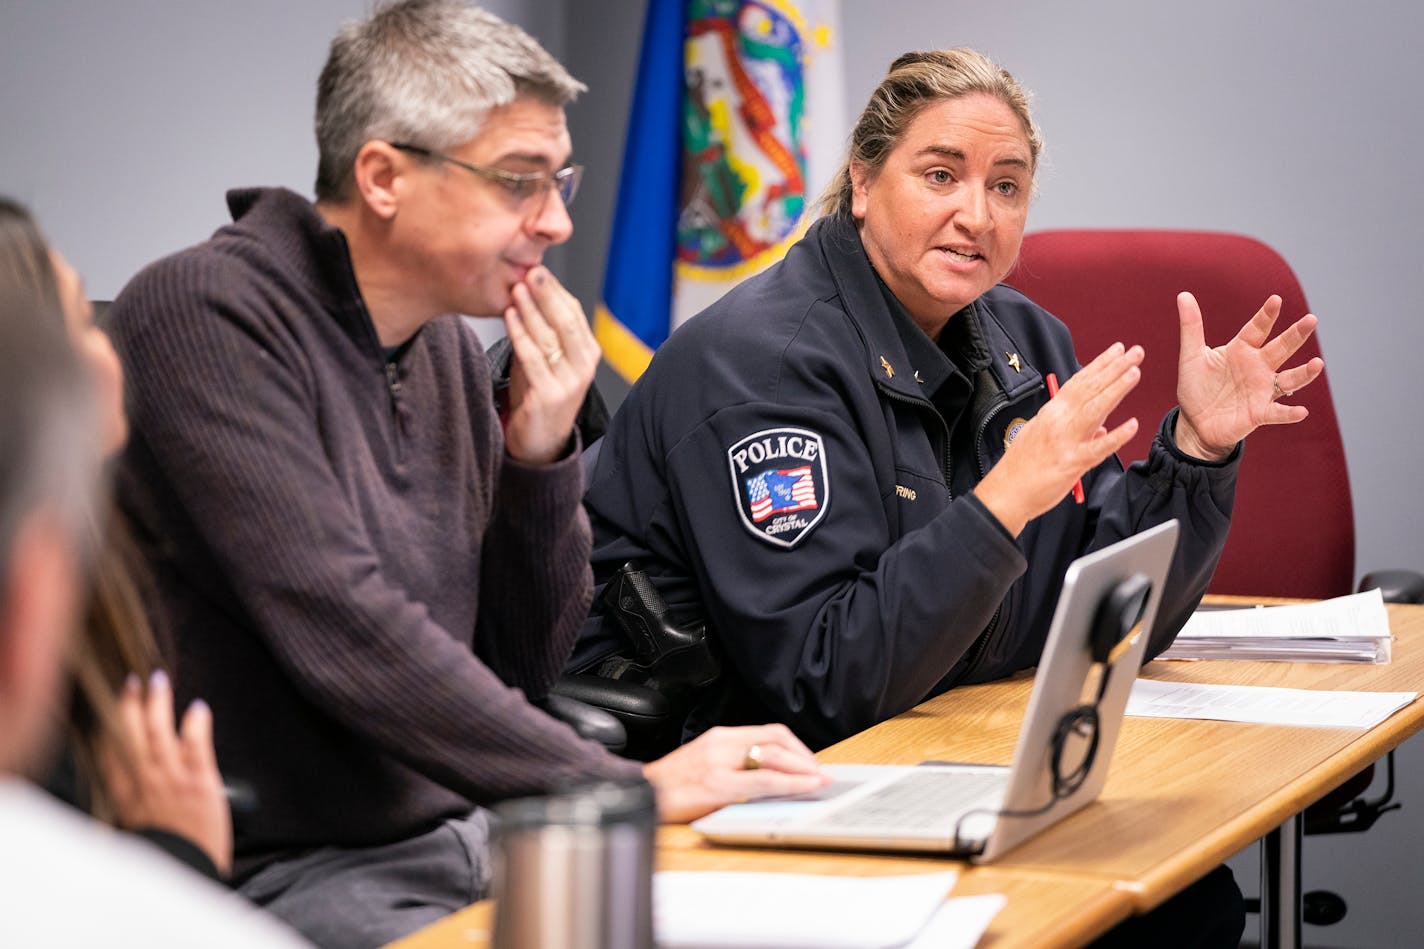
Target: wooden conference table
<point x="1042" y="909"/>
<point x="1181" y="797"/>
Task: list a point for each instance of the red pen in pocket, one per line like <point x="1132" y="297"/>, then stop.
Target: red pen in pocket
<point x="1052" y="381"/>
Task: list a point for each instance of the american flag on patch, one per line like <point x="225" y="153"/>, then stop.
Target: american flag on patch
<point x="779" y="492"/>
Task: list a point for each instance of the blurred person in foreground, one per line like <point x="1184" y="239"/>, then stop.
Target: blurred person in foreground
<point x="123" y="761"/>
<point x="68" y="880"/>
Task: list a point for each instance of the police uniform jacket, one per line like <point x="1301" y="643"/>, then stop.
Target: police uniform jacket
<point x="779" y="471"/>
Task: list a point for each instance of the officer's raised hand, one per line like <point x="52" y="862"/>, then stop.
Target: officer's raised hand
<point x="1065" y="440"/>
<point x="1227" y="392"/>
<point x="555" y="356"/>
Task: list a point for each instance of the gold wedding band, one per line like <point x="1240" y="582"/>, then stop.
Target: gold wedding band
<point x="1276" y="387"/>
<point x="752" y="761"/>
<point x="555" y="356"/>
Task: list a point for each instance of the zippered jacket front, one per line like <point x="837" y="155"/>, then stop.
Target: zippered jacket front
<point x="778" y="472"/>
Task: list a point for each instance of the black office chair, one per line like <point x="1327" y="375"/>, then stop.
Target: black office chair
<point x="587" y="719"/>
<point x="629" y="715"/>
<point x="650" y="688"/>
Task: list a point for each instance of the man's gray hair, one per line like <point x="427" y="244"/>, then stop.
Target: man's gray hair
<point x="423" y="72"/>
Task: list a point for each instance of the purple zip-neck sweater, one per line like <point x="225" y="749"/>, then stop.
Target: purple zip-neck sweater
<point x="358" y="578"/>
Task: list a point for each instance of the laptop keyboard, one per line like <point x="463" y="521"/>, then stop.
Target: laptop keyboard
<point x="921" y="799"/>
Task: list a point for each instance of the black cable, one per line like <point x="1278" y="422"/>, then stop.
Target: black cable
<point x="1082" y="721"/>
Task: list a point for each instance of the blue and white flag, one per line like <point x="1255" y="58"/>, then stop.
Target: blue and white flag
<point x="738" y="124"/>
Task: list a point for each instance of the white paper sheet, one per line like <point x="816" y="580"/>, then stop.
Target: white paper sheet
<point x="960" y="922"/>
<point x="1152" y="698"/>
<point x="713" y="910"/>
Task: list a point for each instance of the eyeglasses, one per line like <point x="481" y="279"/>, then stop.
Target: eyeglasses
<point x="521" y="187"/>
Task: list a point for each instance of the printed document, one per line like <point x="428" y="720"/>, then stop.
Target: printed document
<point x="1153" y="698"/>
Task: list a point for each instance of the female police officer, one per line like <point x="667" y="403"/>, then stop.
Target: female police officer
<point x="850" y="466"/>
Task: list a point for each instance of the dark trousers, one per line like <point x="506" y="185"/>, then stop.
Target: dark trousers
<point x="1209" y="914"/>
<point x="364" y="897"/>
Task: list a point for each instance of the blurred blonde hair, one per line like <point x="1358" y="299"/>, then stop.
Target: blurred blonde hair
<point x="115" y="638"/>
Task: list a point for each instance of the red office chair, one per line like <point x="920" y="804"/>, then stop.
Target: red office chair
<point x="1292" y="531"/>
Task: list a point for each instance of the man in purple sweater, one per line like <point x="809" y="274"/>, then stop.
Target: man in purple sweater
<point x="366" y="574"/>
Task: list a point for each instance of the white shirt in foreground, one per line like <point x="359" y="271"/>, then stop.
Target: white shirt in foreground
<point x="66" y="881"/>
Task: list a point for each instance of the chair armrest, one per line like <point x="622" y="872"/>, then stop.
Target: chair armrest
<point x="586" y="720"/>
<point x="619" y="698"/>
<point x="645" y="715"/>
<point x="1397" y="586"/>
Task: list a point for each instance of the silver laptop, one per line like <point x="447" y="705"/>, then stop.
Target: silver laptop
<point x="981" y="811"/>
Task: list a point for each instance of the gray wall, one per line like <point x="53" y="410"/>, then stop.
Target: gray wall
<point x="1293" y="122"/>
<point x="124" y="123"/>
<point x="1286" y="121"/>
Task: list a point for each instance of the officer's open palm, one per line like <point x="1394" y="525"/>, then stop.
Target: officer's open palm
<point x="1065" y="440"/>
<point x="1228" y="391"/>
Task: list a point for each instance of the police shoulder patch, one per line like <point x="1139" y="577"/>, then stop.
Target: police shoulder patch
<point x="780" y="483"/>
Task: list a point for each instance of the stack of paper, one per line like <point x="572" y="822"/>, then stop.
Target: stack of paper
<point x="1345" y="629"/>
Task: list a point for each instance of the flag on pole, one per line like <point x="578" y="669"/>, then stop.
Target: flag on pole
<point x="737" y="125"/>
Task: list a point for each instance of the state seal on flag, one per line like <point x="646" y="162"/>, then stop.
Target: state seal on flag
<point x="745" y="142"/>
<point x="780" y="483"/>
